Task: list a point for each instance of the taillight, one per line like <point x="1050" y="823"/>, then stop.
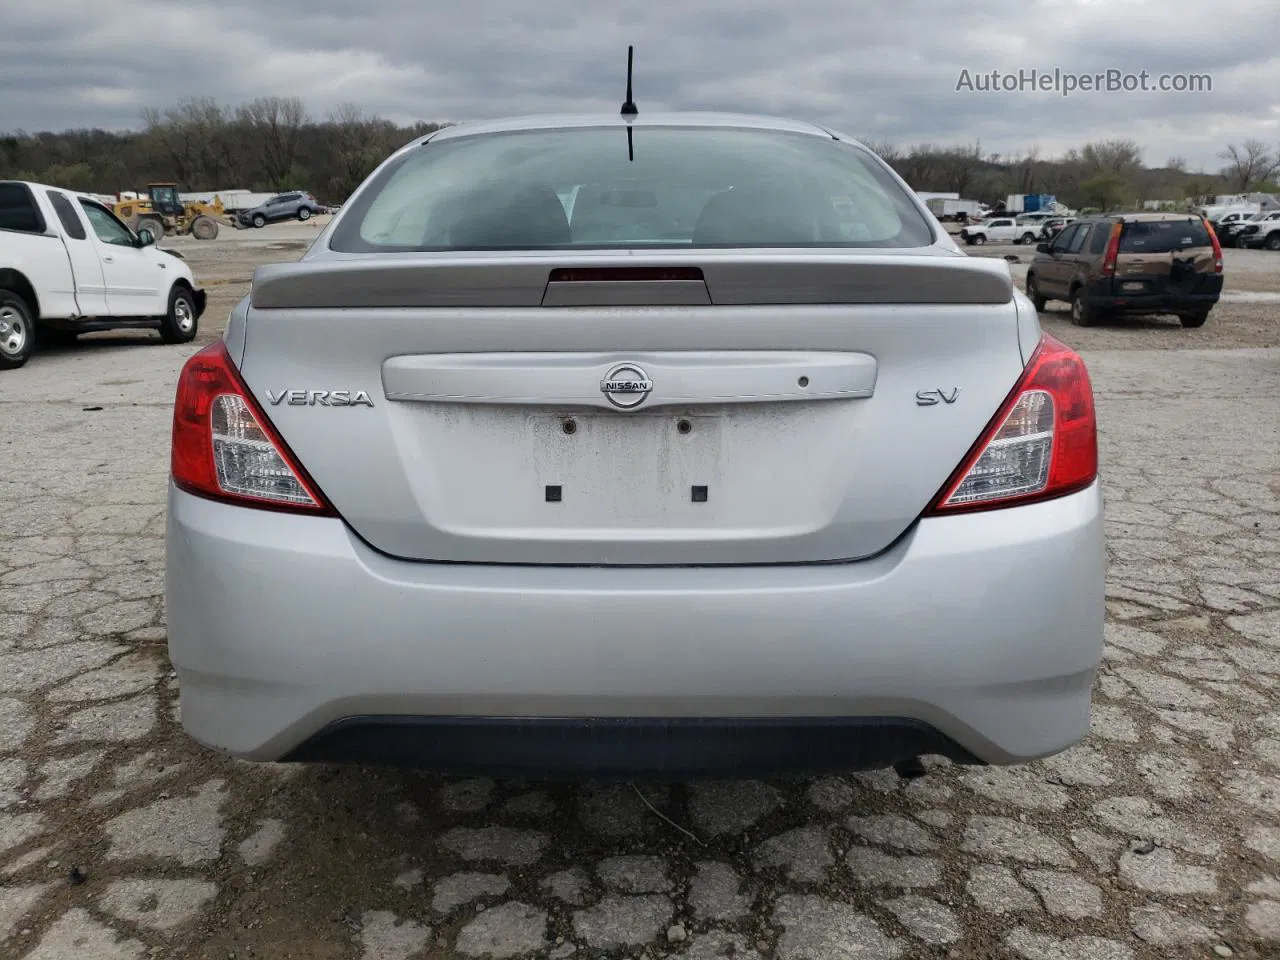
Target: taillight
<point x="1113" y="250"/>
<point x="1217" y="247"/>
<point x="1041" y="444"/>
<point x="225" y="448"/>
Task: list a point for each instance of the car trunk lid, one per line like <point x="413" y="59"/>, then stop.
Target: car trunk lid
<point x="723" y="409"/>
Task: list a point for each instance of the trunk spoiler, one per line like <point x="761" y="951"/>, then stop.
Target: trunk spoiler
<point x="383" y="281"/>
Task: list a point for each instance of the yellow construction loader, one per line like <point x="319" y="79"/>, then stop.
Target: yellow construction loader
<point x="161" y="211"/>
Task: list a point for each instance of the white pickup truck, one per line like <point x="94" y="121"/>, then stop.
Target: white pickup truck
<point x="69" y="266"/>
<point x="994" y="230"/>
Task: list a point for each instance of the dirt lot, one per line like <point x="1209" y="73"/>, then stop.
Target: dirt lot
<point x="1158" y="837"/>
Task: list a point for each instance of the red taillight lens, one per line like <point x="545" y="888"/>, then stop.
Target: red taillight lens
<point x="1043" y="442"/>
<point x="1217" y="247"/>
<point x="225" y="448"/>
<point x="1113" y="250"/>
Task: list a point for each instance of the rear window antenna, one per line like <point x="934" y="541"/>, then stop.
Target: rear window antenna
<point x="629" y="106"/>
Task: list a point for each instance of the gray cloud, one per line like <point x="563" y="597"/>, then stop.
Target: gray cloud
<point x="887" y="70"/>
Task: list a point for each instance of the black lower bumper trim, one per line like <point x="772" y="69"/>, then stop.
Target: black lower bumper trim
<point x="609" y="748"/>
<point x="113" y="323"/>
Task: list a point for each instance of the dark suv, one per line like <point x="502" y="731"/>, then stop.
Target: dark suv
<point x="1130" y="264"/>
<point x="284" y="206"/>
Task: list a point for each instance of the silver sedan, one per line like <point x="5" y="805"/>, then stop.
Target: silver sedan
<point x="635" y="444"/>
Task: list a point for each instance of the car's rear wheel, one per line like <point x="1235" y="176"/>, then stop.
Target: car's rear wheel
<point x="1083" y="313"/>
<point x="179" y="324"/>
<point x="1193" y="320"/>
<point x="304" y="213"/>
<point x="1273" y="241"/>
<point x="1033" y="292"/>
<point x="1028" y="238"/>
<point x="16" y="329"/>
<point x="259" y="220"/>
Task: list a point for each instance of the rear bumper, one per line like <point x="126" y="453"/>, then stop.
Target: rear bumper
<point x="974" y="636"/>
<point x="625" y="747"/>
<point x="1110" y="295"/>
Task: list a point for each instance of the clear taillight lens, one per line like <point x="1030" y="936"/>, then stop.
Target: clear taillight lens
<point x="247" y="462"/>
<point x="1016" y="461"/>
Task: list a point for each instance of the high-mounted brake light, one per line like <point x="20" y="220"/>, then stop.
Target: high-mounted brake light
<point x="1217" y="246"/>
<point x="225" y="448"/>
<point x="624" y="274"/>
<point x="1113" y="250"/>
<point x="1041" y="444"/>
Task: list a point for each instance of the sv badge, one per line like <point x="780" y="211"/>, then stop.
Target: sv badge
<point x="927" y="398"/>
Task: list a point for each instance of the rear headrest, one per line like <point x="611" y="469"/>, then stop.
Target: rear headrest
<point x="529" y="216"/>
<point x="756" y="217"/>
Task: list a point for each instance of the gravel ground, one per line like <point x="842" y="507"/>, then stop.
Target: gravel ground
<point x="1158" y="837"/>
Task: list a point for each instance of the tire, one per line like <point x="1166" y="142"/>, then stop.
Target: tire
<point x="979" y="239"/>
<point x="17" y="331"/>
<point x="1033" y="293"/>
<point x="1082" y="314"/>
<point x="259" y="220"/>
<point x="204" y="228"/>
<point x="1195" y="320"/>
<point x="304" y="213"/>
<point x="154" y="224"/>
<point x="1273" y="241"/>
<point x="1028" y="238"/>
<point x="180" y="324"/>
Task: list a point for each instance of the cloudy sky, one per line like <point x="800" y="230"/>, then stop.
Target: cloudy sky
<point x="880" y="70"/>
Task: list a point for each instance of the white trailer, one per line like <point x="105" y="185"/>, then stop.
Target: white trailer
<point x="946" y="208"/>
<point x="232" y="200"/>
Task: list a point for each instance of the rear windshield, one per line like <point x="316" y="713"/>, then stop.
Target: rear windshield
<point x="1163" y="236"/>
<point x="670" y="187"/>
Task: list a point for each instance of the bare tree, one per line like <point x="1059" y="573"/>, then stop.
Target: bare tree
<point x="921" y="166"/>
<point x="359" y="143"/>
<point x="187" y="135"/>
<point x="1123" y="157"/>
<point x="960" y="167"/>
<point x="275" y="124"/>
<point x="1024" y="169"/>
<point x="886" y="150"/>
<point x="1176" y="164"/>
<point x="1249" y="164"/>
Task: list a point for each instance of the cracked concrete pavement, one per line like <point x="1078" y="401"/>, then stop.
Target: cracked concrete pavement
<point x="1159" y="836"/>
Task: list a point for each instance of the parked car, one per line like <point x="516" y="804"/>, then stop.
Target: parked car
<point x="69" y="266"/>
<point x="1053" y="226"/>
<point x="995" y="230"/>
<point x="1263" y="230"/>
<point x="1145" y="263"/>
<point x="1227" y="225"/>
<point x="284" y="206"/>
<point x="496" y="512"/>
